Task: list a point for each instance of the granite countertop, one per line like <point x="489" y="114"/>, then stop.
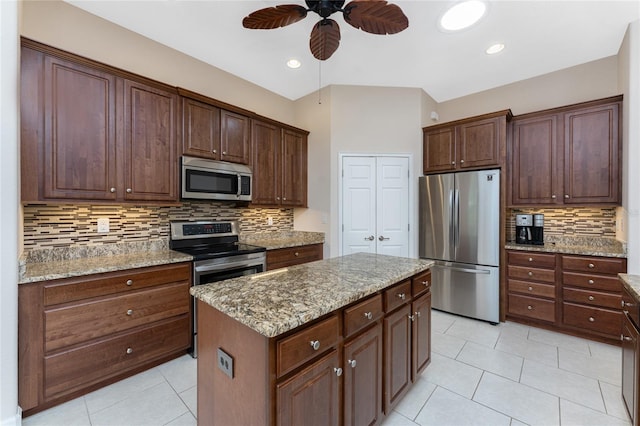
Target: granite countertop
<point x="274" y="302"/>
<point x="580" y="247"/>
<point x="276" y="240"/>
<point x="632" y="283"/>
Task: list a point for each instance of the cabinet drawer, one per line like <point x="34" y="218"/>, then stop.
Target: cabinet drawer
<point x="536" y="274"/>
<point x="533" y="260"/>
<point x="598" y="265"/>
<point x="593" y="298"/>
<point x="421" y="283"/>
<point x="295" y="350"/>
<point x="532" y="307"/>
<point x="631" y="306"/>
<point x="397" y="295"/>
<point x="362" y="314"/>
<point x="533" y="289"/>
<point x="93" y="319"/>
<point x="600" y="282"/>
<point x="595" y="319"/>
<point x="74" y="369"/>
<point x="114" y="282"/>
<point x="284" y="257"/>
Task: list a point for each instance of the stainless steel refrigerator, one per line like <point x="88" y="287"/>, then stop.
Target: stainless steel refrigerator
<point x="459" y="229"/>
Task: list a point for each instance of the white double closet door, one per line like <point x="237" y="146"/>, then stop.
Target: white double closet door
<point x="375" y="205"/>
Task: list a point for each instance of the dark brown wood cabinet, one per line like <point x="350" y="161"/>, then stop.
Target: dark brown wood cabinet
<point x="234" y="137"/>
<point x="567" y="156"/>
<point x="630" y="339"/>
<point x="79" y="334"/>
<point x="397" y="355"/>
<point x="289" y="256"/>
<point x="472" y="143"/>
<point x="420" y="334"/>
<point x="279" y="165"/>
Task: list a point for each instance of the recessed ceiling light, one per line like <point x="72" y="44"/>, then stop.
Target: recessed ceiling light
<point x="494" y="48"/>
<point x="462" y="15"/>
<point x="294" y="63"/>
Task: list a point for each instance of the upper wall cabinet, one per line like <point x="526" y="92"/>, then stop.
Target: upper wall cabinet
<point x="567" y="156"/>
<point x="471" y="143"/>
<point x="91" y="133"/>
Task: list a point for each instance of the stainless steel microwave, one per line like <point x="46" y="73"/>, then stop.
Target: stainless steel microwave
<point x="204" y="179"/>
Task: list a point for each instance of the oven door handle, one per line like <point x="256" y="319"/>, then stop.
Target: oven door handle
<point x="230" y="265"/>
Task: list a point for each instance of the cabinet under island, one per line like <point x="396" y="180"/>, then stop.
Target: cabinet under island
<point x="337" y="341"/>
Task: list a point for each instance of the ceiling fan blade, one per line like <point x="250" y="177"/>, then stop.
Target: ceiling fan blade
<point x="325" y="39"/>
<point x="375" y="16"/>
<point x="274" y="17"/>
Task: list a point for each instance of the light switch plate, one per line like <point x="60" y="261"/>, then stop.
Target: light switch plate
<point x="103" y="224"/>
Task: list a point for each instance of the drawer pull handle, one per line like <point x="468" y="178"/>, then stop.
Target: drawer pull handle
<point x="402" y="296"/>
<point x="592" y="298"/>
<point x="129" y="351"/>
<point x="352" y="363"/>
<point x="625" y="338"/>
<point x="591" y="266"/>
<point x="338" y="371"/>
<point x="592" y="319"/>
<point x="129" y="282"/>
<point x="531" y="259"/>
<point x="315" y="344"/>
<point x="529" y="307"/>
<point x="591" y="281"/>
<point x="129" y="312"/>
<point x="530" y="274"/>
<point x="296" y="254"/>
<point x="530" y="288"/>
<point x="368" y="315"/>
<point x="425" y="283"/>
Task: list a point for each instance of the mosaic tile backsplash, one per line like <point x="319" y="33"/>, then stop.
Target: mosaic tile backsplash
<point x="49" y="226"/>
<point x="569" y="222"/>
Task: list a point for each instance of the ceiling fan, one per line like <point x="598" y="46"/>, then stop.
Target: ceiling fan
<point x="372" y="16"/>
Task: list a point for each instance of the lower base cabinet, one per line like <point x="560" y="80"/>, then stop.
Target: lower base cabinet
<point x="397" y="332"/>
<point x="630" y="338"/>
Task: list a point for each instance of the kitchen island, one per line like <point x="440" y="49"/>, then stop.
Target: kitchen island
<point x="274" y="346"/>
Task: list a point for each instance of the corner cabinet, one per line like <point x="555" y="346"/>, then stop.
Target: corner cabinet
<point x="279" y="162"/>
<point x="567" y="156"/>
<point x="89" y="132"/>
<point x="350" y="367"/>
<point x="473" y="143"/>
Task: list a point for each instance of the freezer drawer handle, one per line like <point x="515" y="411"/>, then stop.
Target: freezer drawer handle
<point x="470" y="271"/>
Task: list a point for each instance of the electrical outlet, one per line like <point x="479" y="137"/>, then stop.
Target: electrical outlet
<point x="225" y="363"/>
<point x="269" y="221"/>
<point x="103" y="224"/>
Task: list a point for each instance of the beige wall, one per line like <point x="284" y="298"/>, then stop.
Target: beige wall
<point x="66" y="27"/>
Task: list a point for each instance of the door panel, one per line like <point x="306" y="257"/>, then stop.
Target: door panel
<point x="358" y="203"/>
<point x="392" y="206"/>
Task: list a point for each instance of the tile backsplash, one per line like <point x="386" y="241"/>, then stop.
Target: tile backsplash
<point x="49" y="226"/>
<point x="569" y="222"/>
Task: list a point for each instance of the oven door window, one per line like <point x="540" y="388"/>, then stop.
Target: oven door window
<point x="211" y="182"/>
<point x="213" y="276"/>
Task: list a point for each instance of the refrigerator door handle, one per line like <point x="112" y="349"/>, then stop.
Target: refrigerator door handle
<point x="456" y="213"/>
<point x="467" y="270"/>
<point x="452" y="222"/>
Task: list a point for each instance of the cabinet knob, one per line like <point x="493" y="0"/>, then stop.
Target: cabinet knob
<point x="411" y="317"/>
<point x="128" y="190"/>
<point x="338" y="371"/>
<point x="531" y="259"/>
<point x="417" y="314"/>
<point x="530" y="273"/>
<point x="425" y="283"/>
<point x="529" y="307"/>
<point x="315" y="344"/>
<point x="296" y="254"/>
<point x="129" y="312"/>
<point x="553" y="196"/>
<point x="530" y="288"/>
<point x="352" y="363"/>
<point x="566" y="195"/>
<point x="368" y="315"/>
<point x="129" y="350"/>
<point x="625" y="338"/>
<point x="461" y="161"/>
<point x="627" y="304"/>
<point x="278" y="198"/>
<point x="112" y="190"/>
<point x="215" y="151"/>
<point x="284" y="198"/>
<point x="224" y="152"/>
<point x="401" y="296"/>
<point x="592" y="319"/>
<point x="590" y="281"/>
<point x="591" y="298"/>
<point x="129" y="282"/>
<point x="591" y="266"/>
<point x="453" y="163"/>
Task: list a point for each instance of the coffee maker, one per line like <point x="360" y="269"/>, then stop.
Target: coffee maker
<point x="537" y="231"/>
<point x="524" y="225"/>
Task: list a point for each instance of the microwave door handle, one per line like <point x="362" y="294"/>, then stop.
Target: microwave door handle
<point x="239" y="186"/>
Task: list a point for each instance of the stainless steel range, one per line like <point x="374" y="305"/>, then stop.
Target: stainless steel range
<point x="217" y="255"/>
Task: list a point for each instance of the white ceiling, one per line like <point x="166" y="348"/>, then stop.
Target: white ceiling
<point x="540" y="37"/>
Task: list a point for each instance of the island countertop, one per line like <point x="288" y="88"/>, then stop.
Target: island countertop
<point x="274" y="302"/>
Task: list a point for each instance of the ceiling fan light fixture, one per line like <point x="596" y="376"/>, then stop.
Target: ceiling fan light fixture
<point x="494" y="48"/>
<point x="293" y="63"/>
<point x="462" y="15"/>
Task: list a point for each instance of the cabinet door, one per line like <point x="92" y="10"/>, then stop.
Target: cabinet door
<point x="439" y="150"/>
<point x="363" y="378"/>
<point x="478" y="143"/>
<point x="397" y="354"/>
<point x="150" y="165"/>
<point x="79" y="132"/>
<point x="265" y="148"/>
<point x="630" y="356"/>
<point x="294" y="169"/>
<point x="311" y="396"/>
<point x="535" y="163"/>
<point x="592" y="155"/>
<point x="200" y="129"/>
<point x="234" y="137"/>
<point x="421" y="338"/>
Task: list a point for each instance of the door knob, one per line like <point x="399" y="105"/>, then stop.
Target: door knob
<point x="370" y="238"/>
<point x="381" y="238"/>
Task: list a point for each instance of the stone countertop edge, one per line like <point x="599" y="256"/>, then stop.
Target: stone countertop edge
<point x="580" y="250"/>
<point x="274" y="302"/>
<point x="631" y="283"/>
<point x="44" y="271"/>
<point x="283" y="240"/>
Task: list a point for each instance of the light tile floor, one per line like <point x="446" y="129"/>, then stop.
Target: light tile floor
<point x="509" y="374"/>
